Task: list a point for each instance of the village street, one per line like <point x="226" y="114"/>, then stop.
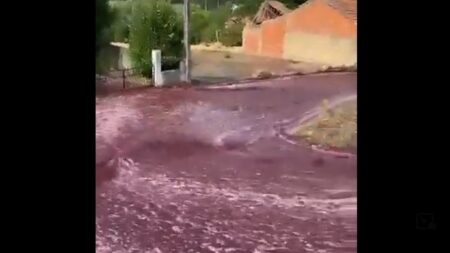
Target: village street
<point x="197" y="169"/>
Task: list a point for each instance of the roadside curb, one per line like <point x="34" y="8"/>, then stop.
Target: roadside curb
<point x="338" y="154"/>
<point x="255" y="81"/>
<point x="315" y="148"/>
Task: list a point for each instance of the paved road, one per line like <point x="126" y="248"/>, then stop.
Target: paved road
<point x="190" y="170"/>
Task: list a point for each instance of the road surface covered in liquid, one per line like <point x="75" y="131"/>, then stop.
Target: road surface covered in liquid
<point x="205" y="170"/>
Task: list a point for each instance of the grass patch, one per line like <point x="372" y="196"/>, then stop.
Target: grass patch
<point x="333" y="128"/>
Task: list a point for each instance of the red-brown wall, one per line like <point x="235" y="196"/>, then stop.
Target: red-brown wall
<point x="251" y="39"/>
<point x="314" y="27"/>
<point x="273" y="37"/>
<point x="318" y="17"/>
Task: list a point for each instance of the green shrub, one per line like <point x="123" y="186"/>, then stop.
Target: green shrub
<point x="212" y="28"/>
<point x="154" y="25"/>
<point x="121" y="25"/>
<point x="209" y="33"/>
<point x="220" y="15"/>
<point x="169" y="63"/>
<point x="232" y="36"/>
<point x="103" y="19"/>
<point x="200" y="20"/>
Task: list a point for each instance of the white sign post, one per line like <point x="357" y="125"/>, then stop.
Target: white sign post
<point x="156" y="68"/>
<point x="187" y="46"/>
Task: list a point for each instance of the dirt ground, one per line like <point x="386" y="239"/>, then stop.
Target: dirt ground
<point x="221" y="66"/>
<point x="206" y="170"/>
<point x="225" y="66"/>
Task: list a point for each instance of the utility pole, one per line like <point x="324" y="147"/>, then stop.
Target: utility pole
<point x="187" y="46"/>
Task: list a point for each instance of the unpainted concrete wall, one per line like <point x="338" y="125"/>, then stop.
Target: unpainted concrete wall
<point x="320" y="48"/>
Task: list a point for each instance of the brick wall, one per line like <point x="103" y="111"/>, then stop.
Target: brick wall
<point x="272" y="37"/>
<point x="314" y="32"/>
<point x="251" y="41"/>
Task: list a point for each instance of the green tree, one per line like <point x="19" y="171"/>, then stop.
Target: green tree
<point x="222" y="14"/>
<point x="154" y="25"/>
<point x="217" y="21"/>
<point x="103" y="19"/>
<point x="121" y="24"/>
<point x="204" y="4"/>
<point x="200" y="21"/>
<point x="232" y="35"/>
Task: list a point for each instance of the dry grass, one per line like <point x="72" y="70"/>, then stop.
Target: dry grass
<point x="263" y="74"/>
<point x="333" y="128"/>
<point x="339" y="68"/>
<point x="216" y="46"/>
